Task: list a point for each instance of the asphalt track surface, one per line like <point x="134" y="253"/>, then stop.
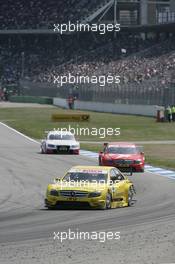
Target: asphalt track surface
<point x="147" y="229"/>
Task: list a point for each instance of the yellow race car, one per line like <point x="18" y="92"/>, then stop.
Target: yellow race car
<point x="94" y="186"/>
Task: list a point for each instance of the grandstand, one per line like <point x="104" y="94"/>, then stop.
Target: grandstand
<point x="142" y="53"/>
<point x="21" y="14"/>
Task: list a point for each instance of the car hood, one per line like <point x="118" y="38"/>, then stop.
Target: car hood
<point x="62" y="142"/>
<point x="123" y="156"/>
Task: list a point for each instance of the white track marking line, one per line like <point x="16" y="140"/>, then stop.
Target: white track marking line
<point x="19" y="133"/>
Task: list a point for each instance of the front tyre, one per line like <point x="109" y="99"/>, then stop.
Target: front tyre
<point x="99" y="162"/>
<point x="108" y="201"/>
<point x="41" y="150"/>
<point x="130" y="196"/>
<point x="51" y="208"/>
<point x="45" y="150"/>
<point x="142" y="169"/>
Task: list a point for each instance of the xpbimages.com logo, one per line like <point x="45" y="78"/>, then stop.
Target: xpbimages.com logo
<point x="101" y="236"/>
<point x="102" y="80"/>
<point x="86" y="27"/>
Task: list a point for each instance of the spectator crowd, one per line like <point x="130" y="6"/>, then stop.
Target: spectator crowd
<point x="139" y="62"/>
<point x="31" y="14"/>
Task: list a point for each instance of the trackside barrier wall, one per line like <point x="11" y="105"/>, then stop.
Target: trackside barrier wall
<point x="145" y="110"/>
<point x="31" y="99"/>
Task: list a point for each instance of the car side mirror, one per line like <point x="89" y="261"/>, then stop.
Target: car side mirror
<point x="142" y="153"/>
<point x="100" y="152"/>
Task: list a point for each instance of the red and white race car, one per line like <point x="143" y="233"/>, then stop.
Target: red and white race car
<point x="122" y="155"/>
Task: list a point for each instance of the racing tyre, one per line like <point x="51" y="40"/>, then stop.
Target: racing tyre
<point x="50" y="208"/>
<point x="45" y="149"/>
<point x="99" y="162"/>
<point x="107" y="202"/>
<point x="130" y="197"/>
<point x="42" y="151"/>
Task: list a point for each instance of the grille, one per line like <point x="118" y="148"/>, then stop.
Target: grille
<point x="123" y="161"/>
<point x="72" y="193"/>
<point x="63" y="148"/>
<point x="78" y="204"/>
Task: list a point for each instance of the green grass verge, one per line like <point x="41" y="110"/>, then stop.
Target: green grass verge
<point x="34" y="121"/>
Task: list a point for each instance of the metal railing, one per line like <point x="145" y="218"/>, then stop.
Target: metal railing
<point x="149" y="92"/>
<point x="165" y="17"/>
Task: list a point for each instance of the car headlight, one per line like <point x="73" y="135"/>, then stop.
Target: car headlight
<point x="75" y="146"/>
<point x="51" y="146"/>
<point x="94" y="194"/>
<point x="54" y="193"/>
<point x="138" y="161"/>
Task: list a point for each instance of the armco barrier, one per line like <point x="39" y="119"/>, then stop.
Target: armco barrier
<point x="144" y="110"/>
<point x="31" y="99"/>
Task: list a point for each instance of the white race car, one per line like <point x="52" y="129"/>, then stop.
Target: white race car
<point x="62" y="142"/>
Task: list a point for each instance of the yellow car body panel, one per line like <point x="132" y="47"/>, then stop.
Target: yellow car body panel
<point x="82" y="192"/>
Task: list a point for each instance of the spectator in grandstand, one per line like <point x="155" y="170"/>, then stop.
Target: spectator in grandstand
<point x="21" y="14"/>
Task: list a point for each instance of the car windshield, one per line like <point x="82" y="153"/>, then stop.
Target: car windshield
<point x="122" y="150"/>
<point x="85" y="176"/>
<point x="60" y="137"/>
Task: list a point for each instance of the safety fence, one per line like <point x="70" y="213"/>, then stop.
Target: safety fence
<point x="145" y="93"/>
